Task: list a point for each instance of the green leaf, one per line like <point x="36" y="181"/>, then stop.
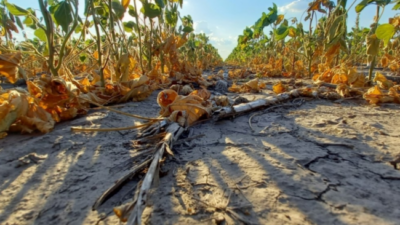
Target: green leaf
<point x="28" y="21"/>
<point x="266" y="20"/>
<point x="78" y="29"/>
<point x="86" y="10"/>
<point x="281" y="33"/>
<point x="41" y="34"/>
<point x="16" y="10"/>
<point x="52" y="2"/>
<point x="187" y="29"/>
<point x="160" y="3"/>
<point x="118" y="9"/>
<point x="364" y="3"/>
<point x="62" y="15"/>
<point x="132" y="11"/>
<point x="171" y="16"/>
<point x="385" y="32"/>
<point x="150" y="10"/>
<point x="102" y="10"/>
<point x="19" y="23"/>
<point x="83" y="57"/>
<point x="397" y="6"/>
<point x="248" y="33"/>
<point x="129" y="26"/>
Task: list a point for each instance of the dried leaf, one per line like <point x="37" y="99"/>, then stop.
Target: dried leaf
<point x="202" y="93"/>
<point x="179" y="117"/>
<point x="279" y="88"/>
<point x="123" y="211"/>
<point x="252" y="85"/>
<point x="165" y="98"/>
<point x="339" y="79"/>
<point x="382" y="81"/>
<point x="221" y="100"/>
<point x="194" y="106"/>
<point x="20" y="112"/>
<point x="343" y="90"/>
<point x="234" y="88"/>
<point x="9" y="66"/>
<point x="373" y="95"/>
<point x="384" y="61"/>
<point x="186" y="90"/>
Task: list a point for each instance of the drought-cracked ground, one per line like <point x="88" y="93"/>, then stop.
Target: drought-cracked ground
<point x="323" y="162"/>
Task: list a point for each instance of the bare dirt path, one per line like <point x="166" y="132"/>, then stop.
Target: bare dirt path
<point x="320" y="163"/>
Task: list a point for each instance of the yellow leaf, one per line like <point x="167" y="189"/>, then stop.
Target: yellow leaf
<point x="394" y="67"/>
<point x="339" y="79"/>
<point x="252" y="85"/>
<point x="373" y="95"/>
<point x="234" y="88"/>
<point x="279" y="19"/>
<point x="343" y="90"/>
<point x="194" y="106"/>
<point x="292" y="32"/>
<point x="384" y="61"/>
<point x="382" y="81"/>
<point x="9" y="66"/>
<point x="262" y="85"/>
<point x="21" y="111"/>
<point x="96" y="55"/>
<point x="125" y="3"/>
<point x="279" y="88"/>
<point x="359" y="81"/>
<point x="332" y="52"/>
<point x="202" y="93"/>
<point x="372" y="45"/>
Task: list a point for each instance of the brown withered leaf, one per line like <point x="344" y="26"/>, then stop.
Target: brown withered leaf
<point x="251" y="86"/>
<point x="202" y="93"/>
<point x="9" y="66"/>
<point x="19" y="112"/>
<point x="221" y="100"/>
<point x="343" y="90"/>
<point x="234" y="88"/>
<point x="374" y="96"/>
<point x="393" y="91"/>
<point x="382" y="81"/>
<point x="193" y="105"/>
<point x="58" y="97"/>
<point x="279" y="88"/>
<point x="180" y="117"/>
<point x="123" y="211"/>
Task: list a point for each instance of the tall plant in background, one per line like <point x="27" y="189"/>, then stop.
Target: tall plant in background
<point x="64" y="14"/>
<point x="372" y="39"/>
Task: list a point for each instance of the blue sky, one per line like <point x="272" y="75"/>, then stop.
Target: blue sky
<point x="224" y="20"/>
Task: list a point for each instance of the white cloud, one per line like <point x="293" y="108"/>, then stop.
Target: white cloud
<point x="202" y="27"/>
<point x="297" y="6"/>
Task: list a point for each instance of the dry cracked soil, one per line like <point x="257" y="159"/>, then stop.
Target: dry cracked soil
<point x="323" y="162"/>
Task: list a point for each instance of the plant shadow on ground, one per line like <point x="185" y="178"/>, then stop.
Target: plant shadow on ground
<point x="300" y="170"/>
<point x="281" y="175"/>
<point x="74" y="169"/>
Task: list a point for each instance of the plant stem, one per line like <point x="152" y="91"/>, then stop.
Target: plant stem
<point x="98" y="40"/>
<point x="150" y="42"/>
<point x="112" y="30"/>
<point x="372" y="66"/>
<point x="140" y="39"/>
<point x="50" y="37"/>
<point x="66" y="38"/>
